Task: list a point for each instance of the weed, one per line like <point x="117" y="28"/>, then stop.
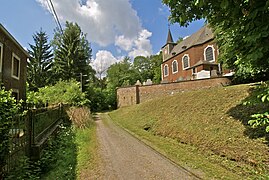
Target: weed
<point x="80" y="116"/>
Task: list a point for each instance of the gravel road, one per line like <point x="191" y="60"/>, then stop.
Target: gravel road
<point x="125" y="157"/>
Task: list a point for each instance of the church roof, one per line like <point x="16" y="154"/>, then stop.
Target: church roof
<point x="169" y="37"/>
<point x="201" y="36"/>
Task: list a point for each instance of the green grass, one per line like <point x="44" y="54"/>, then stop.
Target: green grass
<point x="74" y="154"/>
<point x="204" y="130"/>
<point x="87" y="157"/>
<point x="59" y="159"/>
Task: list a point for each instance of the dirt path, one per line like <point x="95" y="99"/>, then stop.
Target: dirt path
<point x="125" y="157"/>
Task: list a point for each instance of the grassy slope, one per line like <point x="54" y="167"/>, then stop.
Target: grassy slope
<point x="204" y="129"/>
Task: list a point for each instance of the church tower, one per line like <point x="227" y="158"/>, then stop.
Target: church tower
<point x="168" y="47"/>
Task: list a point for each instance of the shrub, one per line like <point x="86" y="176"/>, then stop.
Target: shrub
<point x="8" y="108"/>
<point x="33" y="99"/>
<point x="261" y="119"/>
<point x="66" y="92"/>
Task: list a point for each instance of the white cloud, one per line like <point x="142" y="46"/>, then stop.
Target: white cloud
<point x="124" y="43"/>
<point x="103" y="60"/>
<point x="142" y="45"/>
<point x="185" y="37"/>
<point x="102" y="20"/>
<point x="139" y="46"/>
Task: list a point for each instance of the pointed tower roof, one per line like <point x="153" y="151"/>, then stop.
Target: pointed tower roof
<point x="169" y="37"/>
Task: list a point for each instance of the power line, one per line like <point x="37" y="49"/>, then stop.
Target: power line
<point x="51" y="7"/>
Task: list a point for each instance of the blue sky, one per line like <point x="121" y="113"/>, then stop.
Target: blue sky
<point x="115" y="28"/>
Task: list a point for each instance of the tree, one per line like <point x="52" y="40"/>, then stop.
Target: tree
<point x="143" y="67"/>
<point x="122" y="74"/>
<point x="40" y="62"/>
<point x="241" y="29"/>
<point x="148" y="68"/>
<point x="156" y="61"/>
<point x="72" y="54"/>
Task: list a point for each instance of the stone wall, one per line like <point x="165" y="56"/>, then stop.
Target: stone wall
<point x="127" y="96"/>
<point x="135" y="94"/>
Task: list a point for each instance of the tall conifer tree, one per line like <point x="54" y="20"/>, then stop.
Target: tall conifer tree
<point x="72" y="54"/>
<point x="39" y="64"/>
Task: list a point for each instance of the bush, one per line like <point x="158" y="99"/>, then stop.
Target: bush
<point x="261" y="119"/>
<point x="8" y="108"/>
<point x="25" y="169"/>
<point x="66" y="92"/>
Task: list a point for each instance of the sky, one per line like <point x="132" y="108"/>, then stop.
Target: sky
<point x="115" y="28"/>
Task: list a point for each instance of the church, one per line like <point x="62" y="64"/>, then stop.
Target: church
<point x="196" y="57"/>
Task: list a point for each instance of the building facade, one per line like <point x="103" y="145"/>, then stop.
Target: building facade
<point x="196" y="57"/>
<point x="13" y="63"/>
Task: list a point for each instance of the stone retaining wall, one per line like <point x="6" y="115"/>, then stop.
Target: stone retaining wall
<point x="127" y="96"/>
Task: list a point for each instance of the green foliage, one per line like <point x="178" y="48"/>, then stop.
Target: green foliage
<point x="33" y="99"/>
<point x="156" y="61"/>
<point x="122" y="73"/>
<point x="148" y="68"/>
<point x="8" y="108"/>
<point x="72" y="54"/>
<point x="110" y="98"/>
<point x="241" y="30"/>
<point x="87" y="155"/>
<point x="261" y="119"/>
<point x="39" y="65"/>
<point x="102" y="99"/>
<point x="66" y="92"/>
<point x="25" y="169"/>
<point x="143" y="67"/>
<point x="59" y="158"/>
<point x="96" y="97"/>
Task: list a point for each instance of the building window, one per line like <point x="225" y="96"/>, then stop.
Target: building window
<point x="209" y="54"/>
<point x="1" y="56"/>
<point x="15" y="94"/>
<point x="166" y="70"/>
<point x="186" y="61"/>
<point x="15" y="71"/>
<point x="175" y="66"/>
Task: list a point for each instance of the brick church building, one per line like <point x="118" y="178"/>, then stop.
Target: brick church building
<point x="196" y="57"/>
